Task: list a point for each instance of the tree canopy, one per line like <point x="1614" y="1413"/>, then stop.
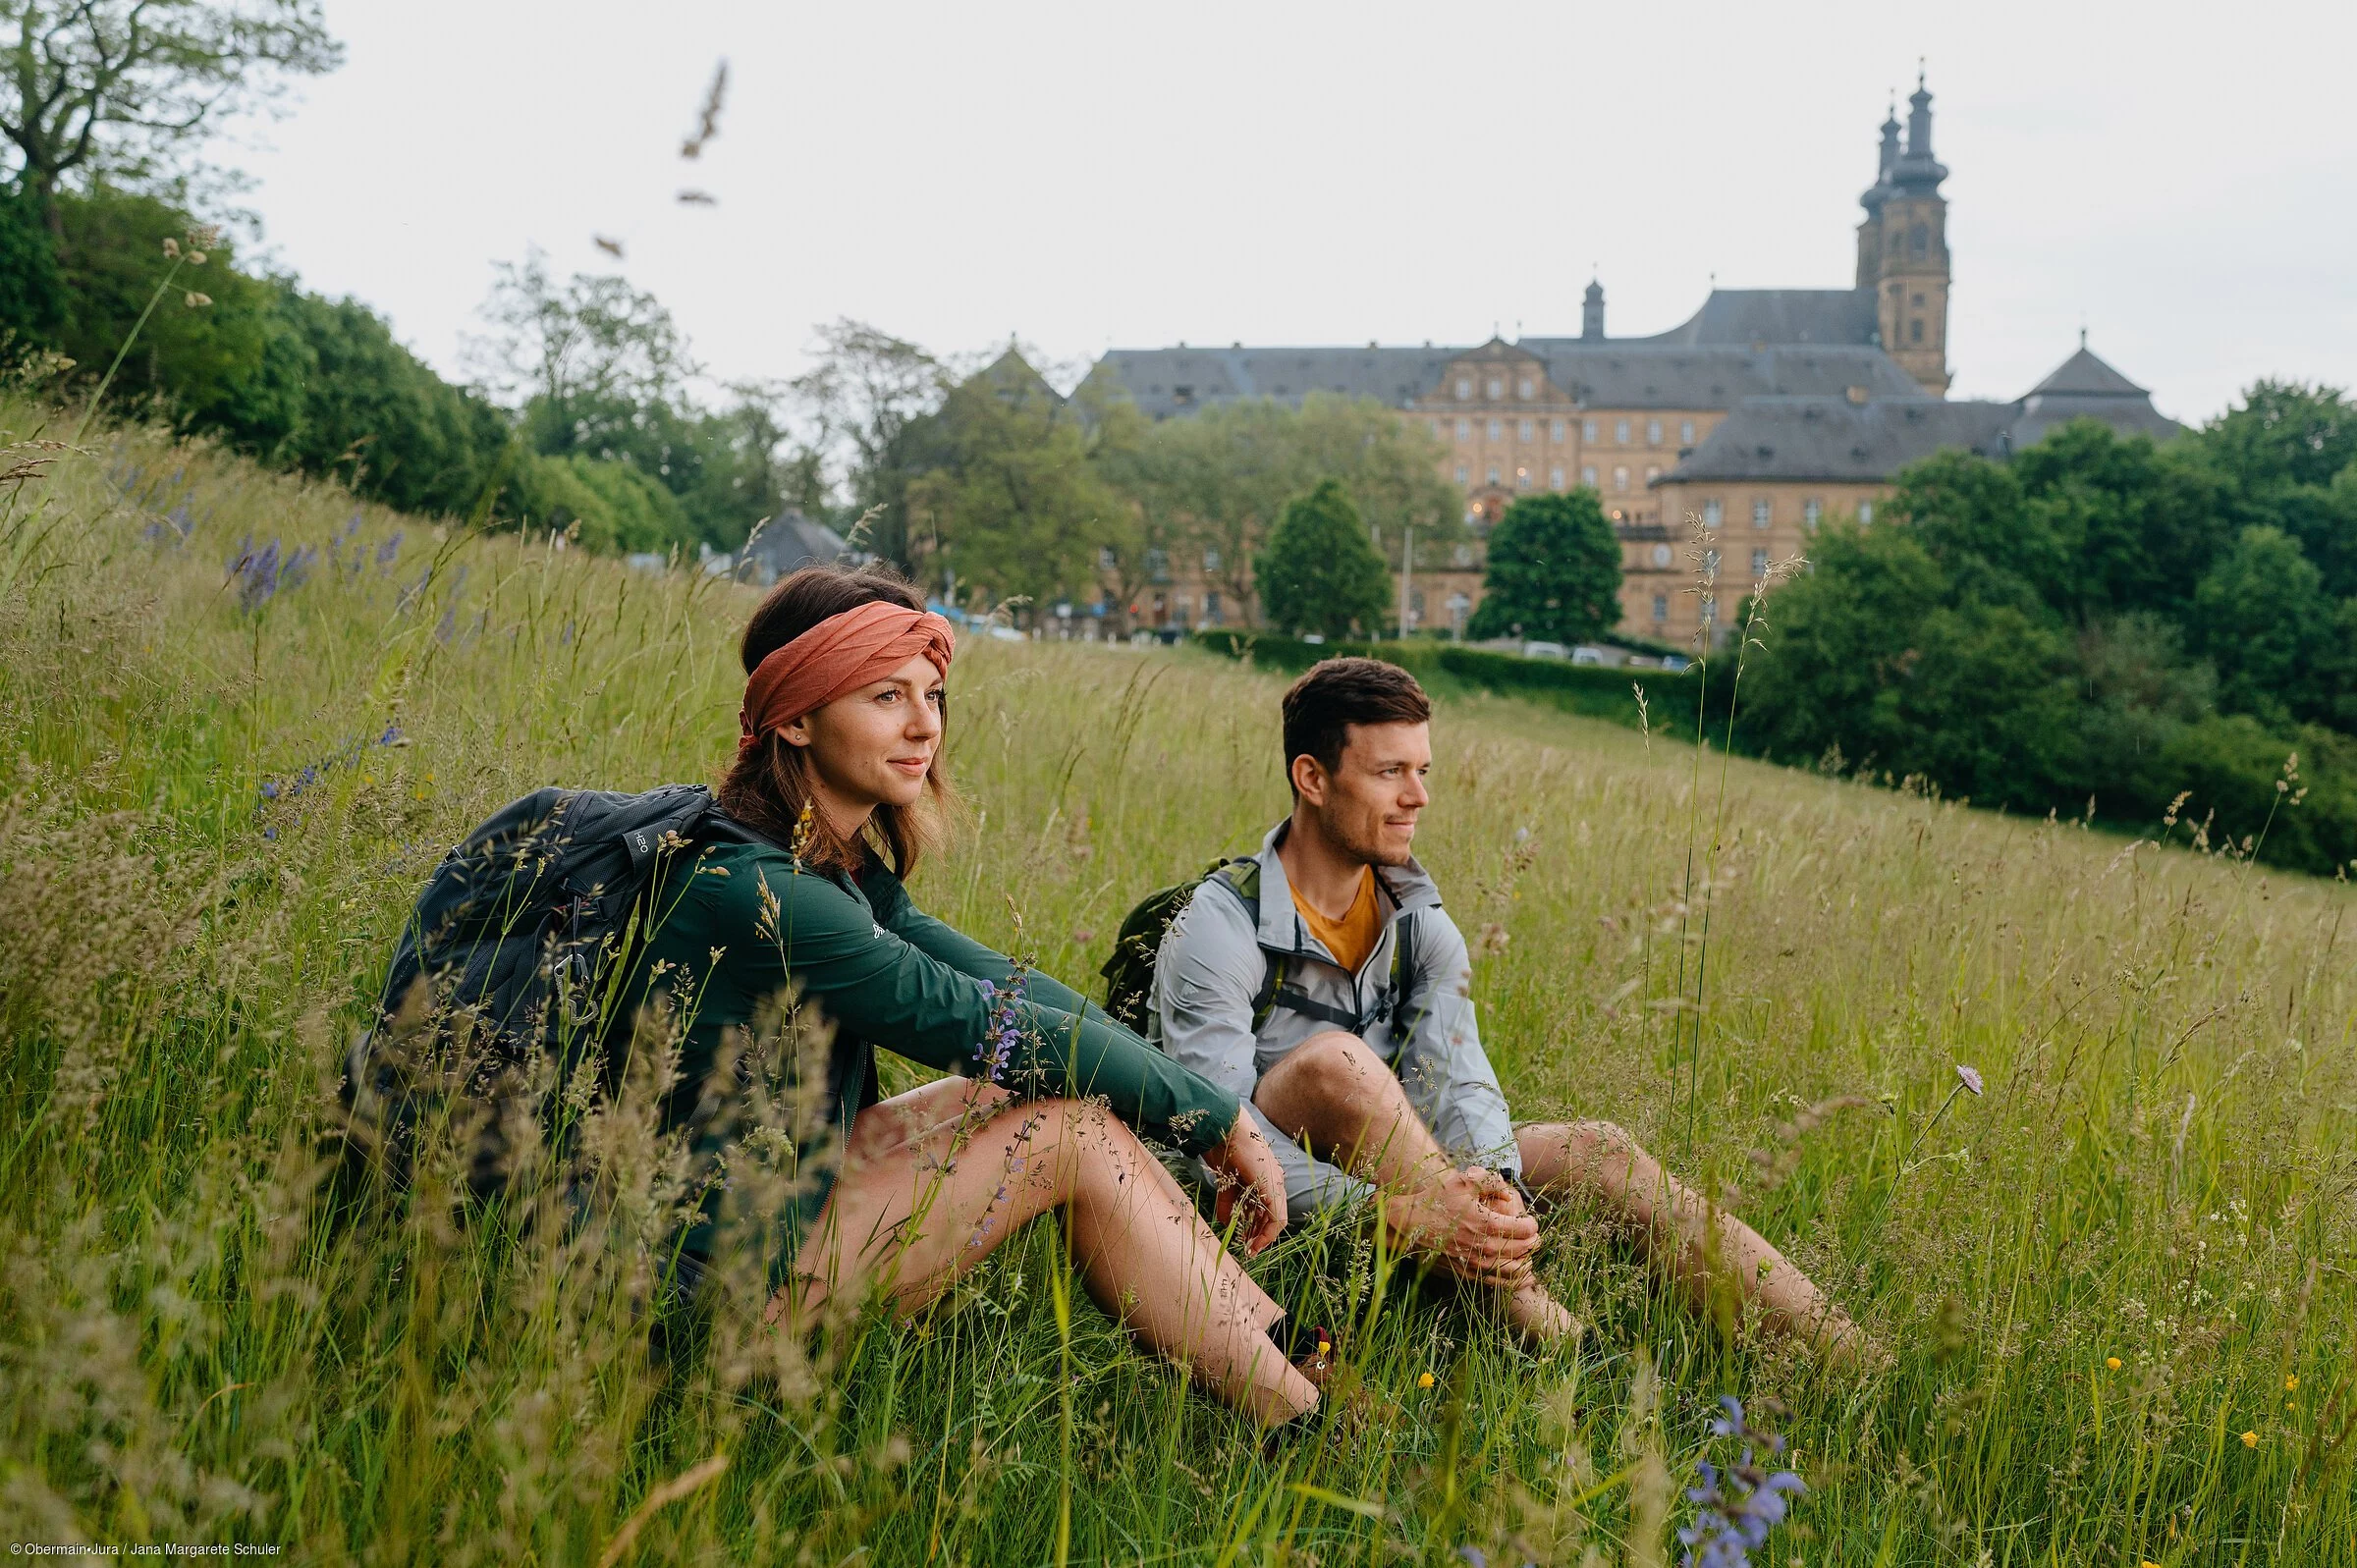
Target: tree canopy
<point x="1319" y="573"/>
<point x="1553" y="571"/>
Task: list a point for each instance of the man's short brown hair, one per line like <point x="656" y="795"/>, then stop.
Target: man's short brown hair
<point x="1336" y="694"/>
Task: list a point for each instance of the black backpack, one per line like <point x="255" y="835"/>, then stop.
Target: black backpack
<point x="1129" y="972"/>
<point x="507" y="968"/>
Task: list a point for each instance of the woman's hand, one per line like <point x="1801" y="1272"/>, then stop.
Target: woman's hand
<point x="1249" y="1171"/>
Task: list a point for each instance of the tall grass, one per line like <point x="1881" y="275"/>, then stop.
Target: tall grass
<point x="2118" y="1289"/>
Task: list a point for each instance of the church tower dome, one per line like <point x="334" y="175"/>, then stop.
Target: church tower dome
<point x="1591" y="312"/>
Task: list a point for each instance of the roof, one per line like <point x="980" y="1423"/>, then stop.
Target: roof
<point x="1830" y="439"/>
<point x="1834" y="440"/>
<point x="1610" y="373"/>
<point x="790" y="541"/>
<point x="1639" y="374"/>
<point x="1181" y="380"/>
<point x="1777" y="316"/>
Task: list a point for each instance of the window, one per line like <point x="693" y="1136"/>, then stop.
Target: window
<point x="1587" y="475"/>
<point x="1621" y="432"/>
<point x="1492" y="473"/>
<point x="1554" y="430"/>
<point x="1653" y="472"/>
<point x="1915" y="330"/>
<point x="1497" y="388"/>
<point x="1710" y="566"/>
<point x="1105" y="559"/>
<point x="1759" y="563"/>
<point x="1527" y="431"/>
<point x="1865" y="512"/>
<point x="1686" y="432"/>
<point x="1158" y="566"/>
<point x="1211" y="562"/>
<point x="1919" y="239"/>
<point x="1661" y="556"/>
<point x="1497" y="430"/>
<point x="1183" y="393"/>
<point x="1465" y="388"/>
<point x="1521" y="478"/>
<point x="1465" y="430"/>
<point x="1528" y="389"/>
<point x="1661" y="607"/>
<point x="1712" y="514"/>
<point x="1918" y="301"/>
<point x="1587" y="430"/>
<point x="1555" y="478"/>
<point x="1652" y="432"/>
<point x="1211" y="607"/>
<point x="1620" y="478"/>
<point x="1461" y="473"/>
<point x="1461" y="557"/>
<point x="1812" y="512"/>
<point x="1763" y="512"/>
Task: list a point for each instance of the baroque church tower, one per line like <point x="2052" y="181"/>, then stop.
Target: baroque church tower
<point x="1902" y="248"/>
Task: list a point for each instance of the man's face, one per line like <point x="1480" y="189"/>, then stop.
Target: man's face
<point x="1369" y="804"/>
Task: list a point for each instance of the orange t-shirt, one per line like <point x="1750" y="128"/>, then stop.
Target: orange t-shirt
<point x="1353" y="937"/>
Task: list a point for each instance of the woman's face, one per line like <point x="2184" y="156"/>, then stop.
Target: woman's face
<point x="874" y="746"/>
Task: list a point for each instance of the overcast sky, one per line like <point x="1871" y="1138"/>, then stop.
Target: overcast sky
<point x="2182" y="180"/>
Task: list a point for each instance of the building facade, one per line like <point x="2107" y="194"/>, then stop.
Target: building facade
<point x="1714" y="447"/>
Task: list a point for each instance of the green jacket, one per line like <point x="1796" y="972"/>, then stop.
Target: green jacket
<point x="730" y="925"/>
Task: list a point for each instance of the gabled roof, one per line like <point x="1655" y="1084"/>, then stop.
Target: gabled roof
<point x="787" y="542"/>
<point x="2085" y="374"/>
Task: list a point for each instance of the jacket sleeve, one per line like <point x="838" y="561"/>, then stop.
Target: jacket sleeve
<point x="1205" y="976"/>
<point x="1441" y="1063"/>
<point x="893" y="993"/>
<point x="899" y="914"/>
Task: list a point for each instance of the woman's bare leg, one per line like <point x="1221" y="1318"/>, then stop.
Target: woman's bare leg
<point x="1561" y="1160"/>
<point x="935" y="1179"/>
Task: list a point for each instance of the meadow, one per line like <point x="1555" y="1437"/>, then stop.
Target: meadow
<point x="241" y="716"/>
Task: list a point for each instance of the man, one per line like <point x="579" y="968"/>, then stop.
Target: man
<point x="1324" y="984"/>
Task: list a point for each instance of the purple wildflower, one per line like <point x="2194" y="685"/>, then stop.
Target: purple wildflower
<point x="1736" y="1510"/>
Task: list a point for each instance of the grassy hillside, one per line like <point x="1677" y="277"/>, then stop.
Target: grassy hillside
<point x="2118" y="1288"/>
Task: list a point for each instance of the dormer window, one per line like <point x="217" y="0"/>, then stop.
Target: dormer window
<point x="1464" y="389"/>
<point x="1686" y="432"/>
<point x="1527" y="389"/>
<point x="1497" y="388"/>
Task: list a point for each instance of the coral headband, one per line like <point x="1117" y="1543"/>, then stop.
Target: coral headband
<point x="834" y="658"/>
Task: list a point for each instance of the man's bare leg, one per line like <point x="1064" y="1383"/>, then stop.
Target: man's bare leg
<point x="1333" y="1094"/>
<point x="1562" y="1159"/>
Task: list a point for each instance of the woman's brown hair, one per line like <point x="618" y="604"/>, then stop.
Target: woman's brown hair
<point x="768" y="786"/>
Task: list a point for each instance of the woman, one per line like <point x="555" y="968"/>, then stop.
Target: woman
<point x="839" y="776"/>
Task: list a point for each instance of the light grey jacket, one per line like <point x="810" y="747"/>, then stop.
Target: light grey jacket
<point x="1215" y="958"/>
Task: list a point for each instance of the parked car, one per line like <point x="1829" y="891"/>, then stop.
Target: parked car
<point x="1545" y="650"/>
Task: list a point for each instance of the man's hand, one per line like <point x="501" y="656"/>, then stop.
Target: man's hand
<point x="1471" y="1219"/>
<point x="1249" y="1171"/>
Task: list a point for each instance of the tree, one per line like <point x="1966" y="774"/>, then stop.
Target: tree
<point x="2260" y="615"/>
<point x="120" y="88"/>
<point x="1553" y="571"/>
<point x="2140" y="526"/>
<point x="1319" y="573"/>
<point x="866" y="391"/>
<point x="1010" y="505"/>
<point x="580" y="351"/>
<point x="33" y="300"/>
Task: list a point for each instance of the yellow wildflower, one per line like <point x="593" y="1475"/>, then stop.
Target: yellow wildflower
<point x="1325" y="1347"/>
<point x="2111" y="1362"/>
<point x="2292" y="1382"/>
<point x="2250" y="1439"/>
<point x="1423" y="1379"/>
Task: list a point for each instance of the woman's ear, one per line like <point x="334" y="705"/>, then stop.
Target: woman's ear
<point x="797" y="733"/>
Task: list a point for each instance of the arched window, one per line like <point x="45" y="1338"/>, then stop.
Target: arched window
<point x="1919" y="239"/>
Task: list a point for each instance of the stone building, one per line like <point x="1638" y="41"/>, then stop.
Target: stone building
<point x="1643" y="420"/>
